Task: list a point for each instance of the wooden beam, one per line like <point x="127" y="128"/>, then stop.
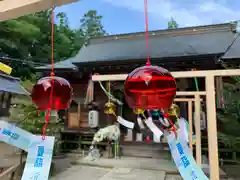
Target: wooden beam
<point x="179" y="74"/>
<point x="184" y="99"/>
<point x="190" y="93"/>
<point x="11" y="9"/>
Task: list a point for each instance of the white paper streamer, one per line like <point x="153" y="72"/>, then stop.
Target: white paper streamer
<point x="125" y="123"/>
<point x="39" y="151"/>
<point x="156" y="131"/>
<point x="139" y="137"/>
<point x="140" y="123"/>
<point x="184" y="160"/>
<point x="156" y="139"/>
<point x="39" y="159"/>
<point x="164" y="122"/>
<point x="182" y="132"/>
<point x="15" y="136"/>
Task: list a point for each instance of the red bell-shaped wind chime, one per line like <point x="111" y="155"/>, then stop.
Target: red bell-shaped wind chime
<point x="54" y="89"/>
<point x="51" y="93"/>
<point x="149" y="87"/>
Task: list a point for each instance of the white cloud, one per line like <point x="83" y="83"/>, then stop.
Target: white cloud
<point x="185" y="12"/>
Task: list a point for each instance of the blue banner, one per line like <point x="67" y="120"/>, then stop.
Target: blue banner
<point x="184" y="160"/>
<point x="15" y="136"/>
<point x="39" y="159"/>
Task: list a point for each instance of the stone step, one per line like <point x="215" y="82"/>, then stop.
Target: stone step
<point x="178" y="177"/>
<point x="144" y="151"/>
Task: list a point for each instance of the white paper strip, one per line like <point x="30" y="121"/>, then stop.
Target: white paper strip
<point x="125" y="123"/>
<point x="140" y="123"/>
<point x="164" y="122"/>
<point x="156" y="131"/>
<point x="139" y="137"/>
<point x="39" y="159"/>
<point x="129" y="136"/>
<point x="39" y="151"/>
<point x="15" y="136"/>
<point x="184" y="160"/>
<point x="156" y="139"/>
<point x="182" y="132"/>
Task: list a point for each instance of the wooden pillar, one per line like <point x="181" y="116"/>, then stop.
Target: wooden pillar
<point x="92" y="91"/>
<point x="212" y="128"/>
<point x="9" y="99"/>
<point x="190" y="121"/>
<point x="79" y="112"/>
<point x="198" y="129"/>
<point x="2" y="99"/>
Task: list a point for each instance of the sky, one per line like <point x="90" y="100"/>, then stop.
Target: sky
<point x="126" y="16"/>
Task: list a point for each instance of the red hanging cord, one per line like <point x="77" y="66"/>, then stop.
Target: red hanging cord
<point x="173" y="129"/>
<point x="47" y="116"/>
<point x="148" y="63"/>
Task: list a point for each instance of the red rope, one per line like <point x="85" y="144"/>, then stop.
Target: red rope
<point x="52" y="41"/>
<point x="48" y="114"/>
<point x="173" y="129"/>
<point x="148" y="63"/>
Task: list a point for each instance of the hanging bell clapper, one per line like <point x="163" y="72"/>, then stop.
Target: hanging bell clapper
<point x="49" y="115"/>
<point x="52" y="114"/>
<point x="110" y="108"/>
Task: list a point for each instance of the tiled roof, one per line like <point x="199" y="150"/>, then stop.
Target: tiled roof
<point x="66" y="64"/>
<point x="11" y="84"/>
<point x="234" y="51"/>
<point x="202" y="40"/>
<point x="191" y="41"/>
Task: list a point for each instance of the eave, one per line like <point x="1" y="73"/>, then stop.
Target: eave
<point x="11" y="9"/>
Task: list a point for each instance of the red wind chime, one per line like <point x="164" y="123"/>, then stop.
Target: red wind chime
<point x="51" y="93"/>
<point x="150" y="87"/>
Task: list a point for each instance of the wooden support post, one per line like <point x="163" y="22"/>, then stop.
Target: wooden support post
<point x="212" y="128"/>
<point x="190" y="121"/>
<point x="109" y="117"/>
<point x="92" y="91"/>
<point x="79" y="112"/>
<point x="198" y="129"/>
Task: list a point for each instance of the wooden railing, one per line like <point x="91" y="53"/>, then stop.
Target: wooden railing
<point x="10" y="173"/>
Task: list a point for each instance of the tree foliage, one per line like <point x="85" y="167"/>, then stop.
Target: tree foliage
<point x="28" y="39"/>
<point x="172" y="24"/>
<point x="91" y="26"/>
<point x="230" y="115"/>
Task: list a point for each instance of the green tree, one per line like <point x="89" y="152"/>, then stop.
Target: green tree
<point x="15" y="36"/>
<point x="91" y="26"/>
<point x="172" y="24"/>
<point x="28" y="38"/>
<point x="230" y="115"/>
